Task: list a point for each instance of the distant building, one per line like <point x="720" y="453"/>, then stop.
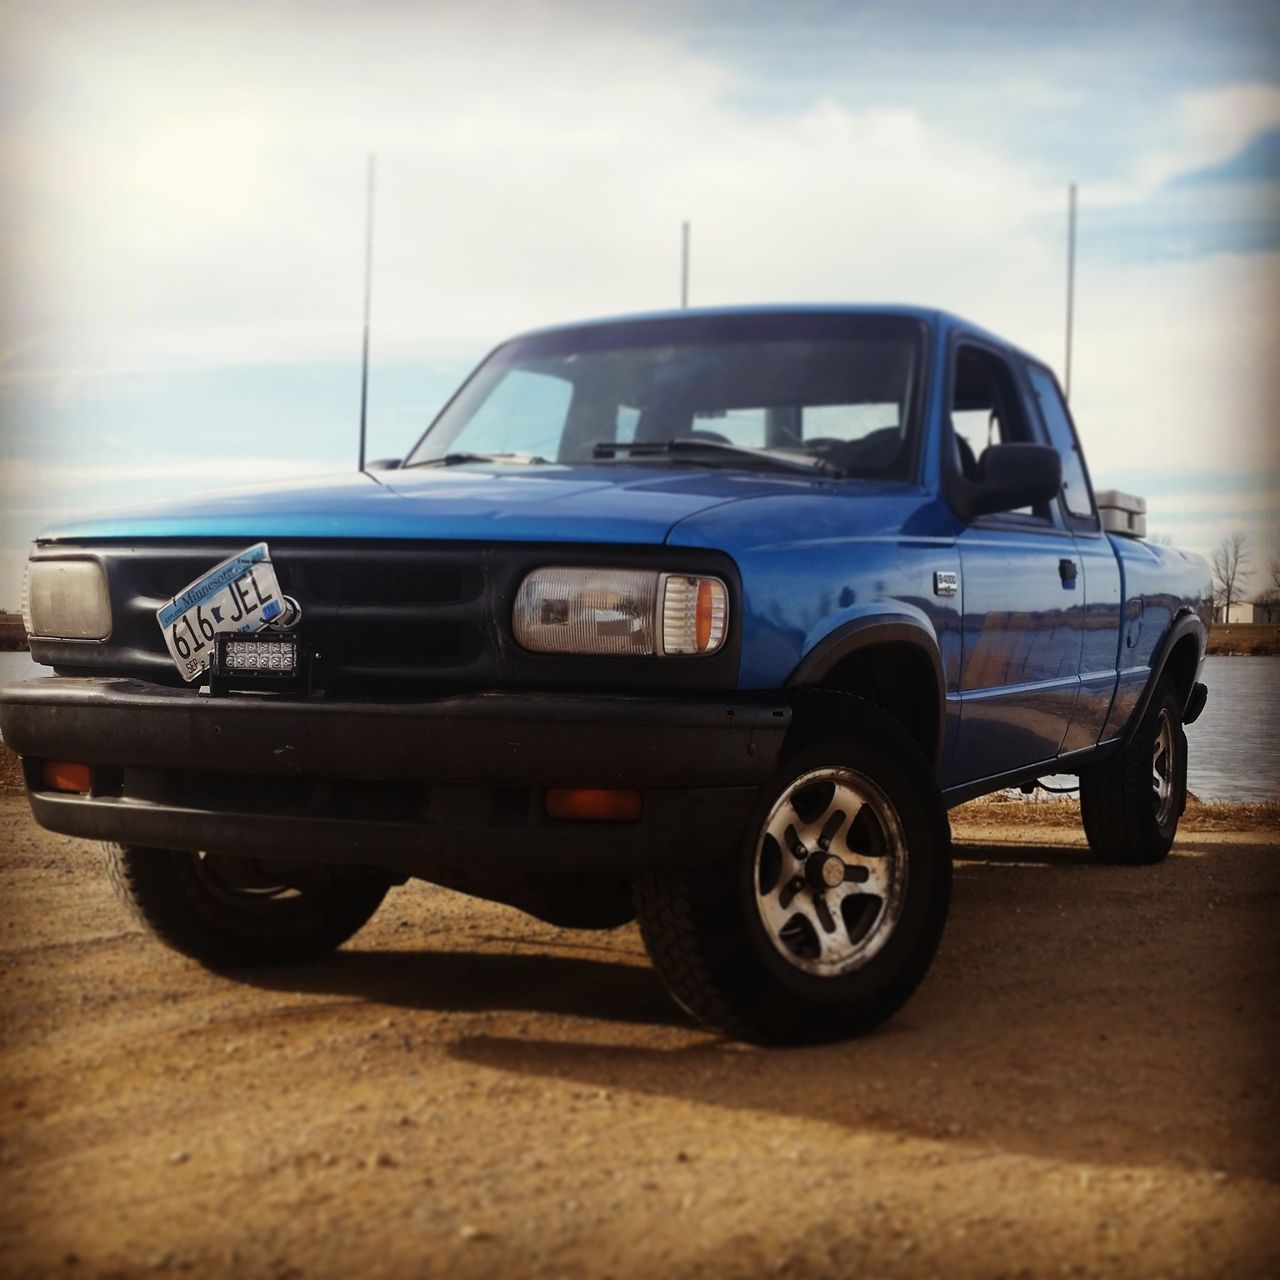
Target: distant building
<point x="1264" y="611"/>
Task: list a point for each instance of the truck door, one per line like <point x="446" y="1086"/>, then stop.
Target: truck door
<point x="1099" y="568"/>
<point x="1021" y="591"/>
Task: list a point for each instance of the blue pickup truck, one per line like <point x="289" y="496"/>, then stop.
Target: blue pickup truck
<point x="702" y="618"/>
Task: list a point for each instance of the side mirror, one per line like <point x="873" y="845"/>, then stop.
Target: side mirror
<point x="1009" y="476"/>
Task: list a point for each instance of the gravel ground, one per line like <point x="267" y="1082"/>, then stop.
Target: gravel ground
<point x="1086" y="1085"/>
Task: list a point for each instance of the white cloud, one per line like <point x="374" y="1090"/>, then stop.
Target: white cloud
<point x="1219" y="122"/>
<point x="533" y="172"/>
<point x="1175" y="365"/>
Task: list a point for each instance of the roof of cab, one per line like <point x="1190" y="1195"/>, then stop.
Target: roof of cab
<point x="939" y="321"/>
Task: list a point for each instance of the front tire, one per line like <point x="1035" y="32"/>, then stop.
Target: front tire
<point x="225" y="911"/>
<point x="1131" y="803"/>
<point x="826" y="918"/>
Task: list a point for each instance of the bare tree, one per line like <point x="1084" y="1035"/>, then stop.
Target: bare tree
<point x="1230" y="567"/>
<point x="1270" y="595"/>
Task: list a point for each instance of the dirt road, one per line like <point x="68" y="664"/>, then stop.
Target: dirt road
<point x="1086" y="1085"/>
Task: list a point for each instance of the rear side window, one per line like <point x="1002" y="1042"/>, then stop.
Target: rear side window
<point x="1075" y="488"/>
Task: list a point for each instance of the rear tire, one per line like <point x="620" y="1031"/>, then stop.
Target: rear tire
<point x="826" y="918"/>
<point x="225" y="911"/>
<point x="1131" y="803"/>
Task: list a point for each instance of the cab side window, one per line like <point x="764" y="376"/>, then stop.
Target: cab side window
<point x="986" y="410"/>
<point x="1075" y="487"/>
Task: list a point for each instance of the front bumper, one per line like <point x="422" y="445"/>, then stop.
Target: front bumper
<point x="404" y="785"/>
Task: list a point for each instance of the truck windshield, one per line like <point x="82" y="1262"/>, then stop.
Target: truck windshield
<point x="836" y="387"/>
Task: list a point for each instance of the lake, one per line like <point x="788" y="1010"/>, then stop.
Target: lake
<point x="1235" y="745"/>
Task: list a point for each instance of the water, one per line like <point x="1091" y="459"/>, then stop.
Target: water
<point x="1235" y="745"/>
<point x="1234" y="748"/>
<point x="18" y="666"/>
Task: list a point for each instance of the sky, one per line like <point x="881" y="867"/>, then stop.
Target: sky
<point x="182" y="206"/>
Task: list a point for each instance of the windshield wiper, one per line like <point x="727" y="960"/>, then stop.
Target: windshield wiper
<point x="456" y="459"/>
<point x="715" y="452"/>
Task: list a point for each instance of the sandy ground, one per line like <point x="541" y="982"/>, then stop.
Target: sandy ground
<point x="1086" y="1085"/>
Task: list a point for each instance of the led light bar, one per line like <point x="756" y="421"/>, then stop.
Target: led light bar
<point x="271" y="656"/>
<point x="268" y="662"/>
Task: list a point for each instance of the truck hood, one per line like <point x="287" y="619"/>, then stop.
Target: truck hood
<point x="615" y="504"/>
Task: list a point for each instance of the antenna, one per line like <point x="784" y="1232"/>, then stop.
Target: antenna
<point x="684" y="264"/>
<point x="368" y="289"/>
<point x="1071" y="281"/>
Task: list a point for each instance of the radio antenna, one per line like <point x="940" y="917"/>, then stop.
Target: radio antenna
<point x="1071" y="282"/>
<point x="368" y="291"/>
<point x="684" y="264"/>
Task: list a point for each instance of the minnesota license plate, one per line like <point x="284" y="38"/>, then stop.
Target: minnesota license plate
<point x="237" y="597"/>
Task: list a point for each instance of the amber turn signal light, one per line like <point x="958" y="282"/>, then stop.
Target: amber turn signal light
<point x="63" y="775"/>
<point x="593" y="804"/>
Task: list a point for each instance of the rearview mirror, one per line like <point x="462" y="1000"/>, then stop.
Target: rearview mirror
<point x="1009" y="476"/>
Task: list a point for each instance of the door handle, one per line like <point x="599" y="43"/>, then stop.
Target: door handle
<point x="1067" y="571"/>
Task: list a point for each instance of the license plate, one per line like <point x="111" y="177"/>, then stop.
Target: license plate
<point x="237" y="597"/>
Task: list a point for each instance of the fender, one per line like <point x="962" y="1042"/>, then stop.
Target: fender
<point x="1185" y="623"/>
<point x="867" y="633"/>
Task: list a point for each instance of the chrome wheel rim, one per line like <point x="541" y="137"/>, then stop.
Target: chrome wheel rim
<point x="1163" y="767"/>
<point x="251" y="884"/>
<point x="830" y="873"/>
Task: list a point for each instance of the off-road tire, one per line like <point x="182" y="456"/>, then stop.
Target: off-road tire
<point x="1118" y="801"/>
<point x="704" y="931"/>
<point x="171" y="894"/>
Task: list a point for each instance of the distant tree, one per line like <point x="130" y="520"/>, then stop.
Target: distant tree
<point x="1230" y="567"/>
<point x="1161" y="539"/>
<point x="1271" y="594"/>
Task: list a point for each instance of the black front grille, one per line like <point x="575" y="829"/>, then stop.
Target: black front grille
<point x="388" y="619"/>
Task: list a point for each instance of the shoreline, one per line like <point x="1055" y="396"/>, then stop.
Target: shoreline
<point x="1005" y="809"/>
<point x="1257" y="651"/>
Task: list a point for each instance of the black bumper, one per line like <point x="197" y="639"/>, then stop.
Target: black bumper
<point x="405" y="785"/>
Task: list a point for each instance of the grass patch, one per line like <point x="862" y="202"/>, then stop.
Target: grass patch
<point x="1064" y="811"/>
<point x="1254" y="639"/>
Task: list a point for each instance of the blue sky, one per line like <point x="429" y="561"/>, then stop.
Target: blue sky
<point x="182" y="200"/>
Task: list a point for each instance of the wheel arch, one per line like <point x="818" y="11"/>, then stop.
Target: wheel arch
<point x="892" y="662"/>
<point x="1179" y="658"/>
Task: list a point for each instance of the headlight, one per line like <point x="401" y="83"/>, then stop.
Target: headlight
<point x="620" y="611"/>
<point x="67" y="600"/>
